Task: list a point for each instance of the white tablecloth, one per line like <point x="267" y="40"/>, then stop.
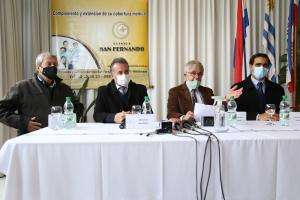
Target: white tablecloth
<point x="100" y="161"/>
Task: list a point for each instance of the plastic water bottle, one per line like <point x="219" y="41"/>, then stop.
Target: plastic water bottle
<point x="147" y="109"/>
<point x="219" y="118"/>
<point x="284" y="112"/>
<point x="69" y="115"/>
<point x="231" y="111"/>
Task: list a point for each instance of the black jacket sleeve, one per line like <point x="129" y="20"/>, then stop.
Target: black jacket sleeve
<point x="100" y="112"/>
<point x="9" y="110"/>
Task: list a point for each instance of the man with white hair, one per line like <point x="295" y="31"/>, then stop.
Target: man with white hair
<point x="28" y="102"/>
<point x="182" y="98"/>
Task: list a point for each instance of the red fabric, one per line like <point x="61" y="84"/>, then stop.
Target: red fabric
<point x="291" y="84"/>
<point x="239" y="44"/>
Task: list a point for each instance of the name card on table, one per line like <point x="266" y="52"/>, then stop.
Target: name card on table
<point x="294" y="118"/>
<point x="141" y="121"/>
<point x="241" y="117"/>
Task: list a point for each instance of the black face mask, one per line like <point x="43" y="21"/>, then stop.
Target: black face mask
<point x="50" y="72"/>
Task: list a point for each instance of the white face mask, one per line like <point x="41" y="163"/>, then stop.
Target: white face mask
<point x="192" y="84"/>
<point x="123" y="80"/>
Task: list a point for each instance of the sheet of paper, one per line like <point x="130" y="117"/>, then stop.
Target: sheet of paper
<point x="202" y="110"/>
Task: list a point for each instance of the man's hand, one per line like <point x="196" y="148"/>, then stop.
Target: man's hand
<point x="188" y="116"/>
<point x="234" y="92"/>
<point x="175" y="120"/>
<point x="119" y="117"/>
<point x="267" y="117"/>
<point x="33" y="125"/>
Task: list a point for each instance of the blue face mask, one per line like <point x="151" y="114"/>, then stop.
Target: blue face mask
<point x="259" y="72"/>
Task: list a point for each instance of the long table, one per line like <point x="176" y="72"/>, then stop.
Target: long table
<point x="102" y="162"/>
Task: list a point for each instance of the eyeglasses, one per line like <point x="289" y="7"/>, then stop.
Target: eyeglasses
<point x="195" y="73"/>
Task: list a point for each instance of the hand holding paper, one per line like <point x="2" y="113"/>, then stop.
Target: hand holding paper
<point x="202" y="110"/>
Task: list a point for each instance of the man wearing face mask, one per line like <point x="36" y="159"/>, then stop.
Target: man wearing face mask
<point x="257" y="90"/>
<point x="182" y="98"/>
<point x="28" y="103"/>
<point x="115" y="99"/>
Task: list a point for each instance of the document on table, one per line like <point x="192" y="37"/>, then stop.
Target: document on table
<point x="202" y="110"/>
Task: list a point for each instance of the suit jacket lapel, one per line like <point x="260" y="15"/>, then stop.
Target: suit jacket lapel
<point x="251" y="87"/>
<point x="115" y="95"/>
<point x="204" y="95"/>
<point x="37" y="85"/>
<point x="268" y="85"/>
<point x="185" y="96"/>
<point x="129" y="92"/>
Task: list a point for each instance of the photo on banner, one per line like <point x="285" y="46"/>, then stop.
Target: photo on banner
<point x="88" y="35"/>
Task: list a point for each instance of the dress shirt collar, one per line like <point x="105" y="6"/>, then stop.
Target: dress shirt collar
<point x="119" y="86"/>
<point x="255" y="82"/>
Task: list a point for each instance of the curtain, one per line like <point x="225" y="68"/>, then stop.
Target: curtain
<point x="24" y="32"/>
<point x="183" y="30"/>
<point x="11" y="67"/>
<point x="35" y="32"/>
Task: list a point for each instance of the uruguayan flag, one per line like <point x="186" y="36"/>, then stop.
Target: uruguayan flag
<point x="269" y="37"/>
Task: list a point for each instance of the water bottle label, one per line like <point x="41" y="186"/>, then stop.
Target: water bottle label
<point x="284" y="116"/>
<point x="70" y="120"/>
<point x="232" y="116"/>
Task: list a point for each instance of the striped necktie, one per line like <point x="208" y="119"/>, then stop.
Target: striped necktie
<point x="193" y="95"/>
<point x="122" y="90"/>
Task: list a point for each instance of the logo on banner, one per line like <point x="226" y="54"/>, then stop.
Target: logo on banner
<point x="120" y="30"/>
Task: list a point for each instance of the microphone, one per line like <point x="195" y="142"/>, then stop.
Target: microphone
<point x="123" y="124"/>
<point x="187" y="125"/>
<point x="177" y="126"/>
<point x="192" y="126"/>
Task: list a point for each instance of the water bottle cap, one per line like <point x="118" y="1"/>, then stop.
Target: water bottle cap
<point x="68" y="98"/>
<point x="284" y="97"/>
<point x="146" y="98"/>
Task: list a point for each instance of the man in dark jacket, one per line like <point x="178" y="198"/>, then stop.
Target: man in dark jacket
<point x="116" y="99"/>
<point x="28" y="103"/>
<point x="182" y="98"/>
<point x="258" y="90"/>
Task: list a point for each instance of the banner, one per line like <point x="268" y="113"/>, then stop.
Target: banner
<point x="88" y="35"/>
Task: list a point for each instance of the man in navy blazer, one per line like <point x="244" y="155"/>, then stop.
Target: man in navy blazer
<point x="115" y="99"/>
<point x="258" y="90"/>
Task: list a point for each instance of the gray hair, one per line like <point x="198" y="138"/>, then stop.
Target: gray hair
<point x="40" y="58"/>
<point x="193" y="64"/>
<point x="119" y="60"/>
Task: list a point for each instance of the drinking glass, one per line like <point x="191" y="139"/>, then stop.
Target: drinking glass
<point x="56" y="109"/>
<point x="136" y="109"/>
<point x="55" y="118"/>
<point x="270" y="110"/>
